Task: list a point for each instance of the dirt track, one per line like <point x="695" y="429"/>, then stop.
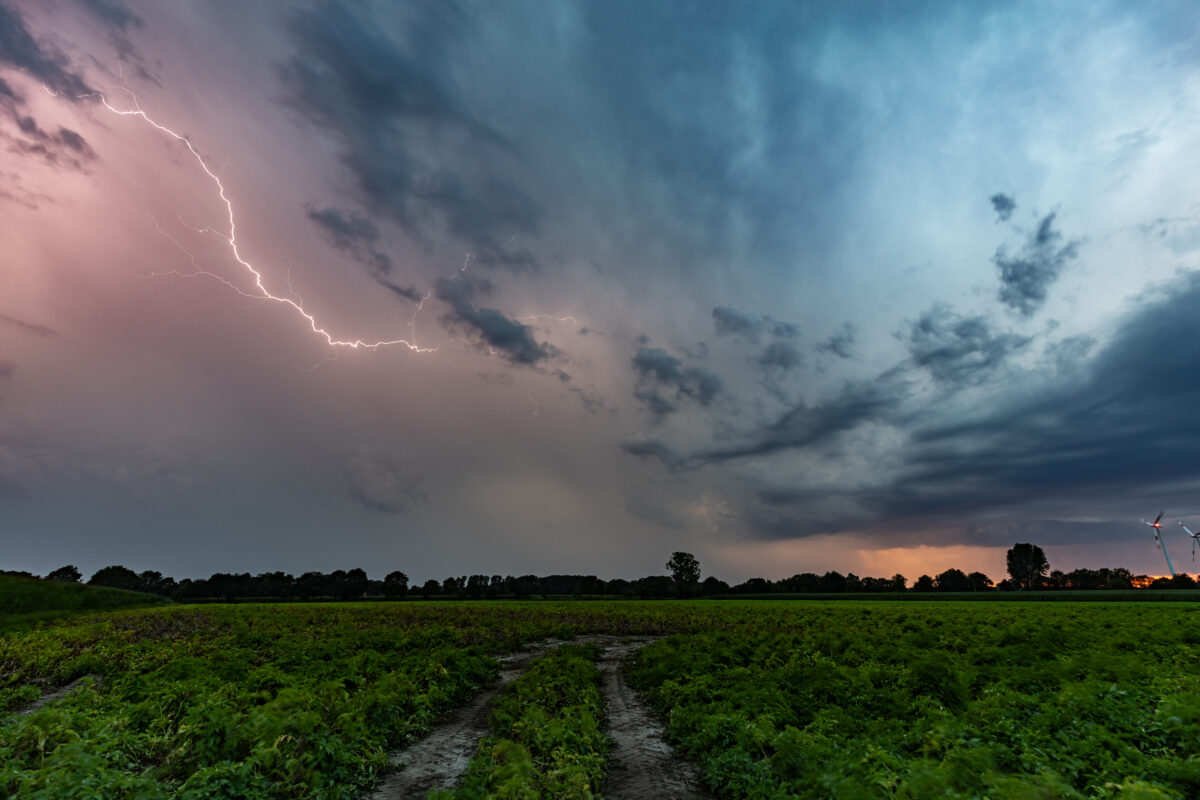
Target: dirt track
<point x="59" y="693"/>
<point x="641" y="765"/>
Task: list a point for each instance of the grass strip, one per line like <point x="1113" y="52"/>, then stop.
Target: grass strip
<point x="547" y="740"/>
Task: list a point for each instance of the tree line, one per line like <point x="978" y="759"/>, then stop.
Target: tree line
<point x="1028" y="569"/>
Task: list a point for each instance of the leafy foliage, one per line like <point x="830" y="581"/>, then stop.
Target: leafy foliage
<point x="920" y="700"/>
<point x="547" y="739"/>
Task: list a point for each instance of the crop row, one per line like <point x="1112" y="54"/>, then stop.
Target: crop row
<point x="915" y="702"/>
<point x="772" y="700"/>
<point x="547" y="740"/>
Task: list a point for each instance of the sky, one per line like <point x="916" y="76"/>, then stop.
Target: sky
<point x="794" y="287"/>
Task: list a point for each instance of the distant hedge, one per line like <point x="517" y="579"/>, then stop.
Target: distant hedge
<point x="21" y="595"/>
<point x="1080" y="596"/>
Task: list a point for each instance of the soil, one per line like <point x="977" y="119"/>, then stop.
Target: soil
<point x="439" y="760"/>
<point x="59" y="693"/>
<point x="642" y="766"/>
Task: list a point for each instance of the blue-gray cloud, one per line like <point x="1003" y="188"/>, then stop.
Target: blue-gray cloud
<point x="1003" y="205"/>
<point x="958" y="350"/>
<point x="391" y="104"/>
<point x="841" y="344"/>
<point x="1025" y="277"/>
<point x="496" y="331"/>
<point x="20" y="51"/>
<point x="663" y="381"/>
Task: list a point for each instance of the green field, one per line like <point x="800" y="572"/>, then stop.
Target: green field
<point x="771" y="700"/>
<point x="25" y="600"/>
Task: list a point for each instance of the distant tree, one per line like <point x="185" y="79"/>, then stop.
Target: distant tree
<point x="395" y="584"/>
<point x="685" y="571"/>
<point x="116" y="577"/>
<point x="68" y="573"/>
<point x="618" y="587"/>
<point x="1027" y="565"/>
<point x="753" y="586"/>
<point x="450" y="586"/>
<point x="979" y="582"/>
<point x="952" y="580"/>
<point x="803" y="582"/>
<point x="1117" y="578"/>
<point x="476" y="586"/>
<point x="923" y="584"/>
<point x="833" y="581"/>
<point x="899" y="582"/>
<point x="430" y="588"/>
<point x="713" y="585"/>
<point x="653" y="586"/>
<point x="155" y="582"/>
<point x="311" y="584"/>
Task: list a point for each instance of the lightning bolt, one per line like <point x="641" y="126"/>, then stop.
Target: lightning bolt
<point x="260" y="290"/>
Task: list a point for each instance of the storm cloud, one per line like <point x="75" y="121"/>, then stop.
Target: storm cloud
<point x="390" y="103"/>
<point x="664" y="381"/>
<point x="1026" y="276"/>
<point x="496" y="331"/>
<point x="21" y="52"/>
<point x="957" y="350"/>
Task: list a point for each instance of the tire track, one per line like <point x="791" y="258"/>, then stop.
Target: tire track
<point x="642" y="764"/>
<point x="59" y="693"/>
<point x="439" y="760"/>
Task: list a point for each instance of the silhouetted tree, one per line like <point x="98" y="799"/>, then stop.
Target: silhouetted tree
<point x="833" y="581"/>
<point x="952" y="580"/>
<point x="923" y="584"/>
<point x="685" y="571"/>
<point x="899" y="582"/>
<point x="395" y="584"/>
<point x="116" y="577"/>
<point x="713" y="585"/>
<point x="979" y="582"/>
<point x="430" y="588"/>
<point x="1027" y="565"/>
<point x="68" y="573"/>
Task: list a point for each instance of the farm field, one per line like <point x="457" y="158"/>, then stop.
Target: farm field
<point x="769" y="700"/>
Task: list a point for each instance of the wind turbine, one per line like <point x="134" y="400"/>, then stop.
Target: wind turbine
<point x="1195" y="539"/>
<point x="1158" y="542"/>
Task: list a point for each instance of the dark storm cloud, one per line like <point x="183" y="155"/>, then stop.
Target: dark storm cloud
<point x="781" y="355"/>
<point x="841" y="344"/>
<point x="1128" y="419"/>
<point x="1123" y="420"/>
<point x="112" y="12"/>
<point x="29" y="327"/>
<point x="393" y="106"/>
<point x="659" y="372"/>
<point x="802" y="426"/>
<point x="1003" y="205"/>
<point x="735" y="322"/>
<point x="496" y="331"/>
<point x="1025" y="277"/>
<point x="19" y="50"/>
<point x="351" y="233"/>
<point x="958" y="350"/>
<point x="358" y="237"/>
<point x="378" y="484"/>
